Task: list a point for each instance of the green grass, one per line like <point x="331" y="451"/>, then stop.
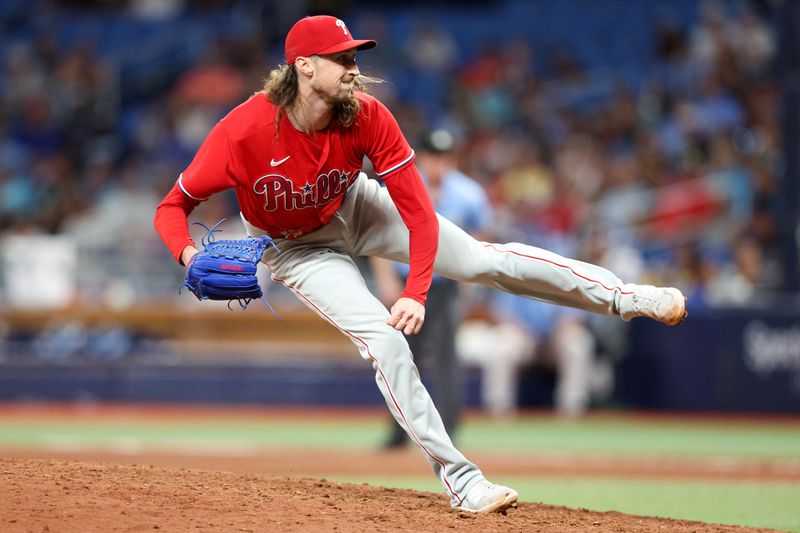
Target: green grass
<point x="769" y="505"/>
<point x="621" y="435"/>
<point x="256" y="432"/>
<point x="598" y="435"/>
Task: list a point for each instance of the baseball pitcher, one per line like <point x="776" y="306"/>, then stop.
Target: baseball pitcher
<point x="293" y="153"/>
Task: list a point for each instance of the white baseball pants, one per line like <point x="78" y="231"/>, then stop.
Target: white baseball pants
<point x="319" y="268"/>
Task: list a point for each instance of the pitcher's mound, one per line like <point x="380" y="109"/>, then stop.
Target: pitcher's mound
<point x="65" y="496"/>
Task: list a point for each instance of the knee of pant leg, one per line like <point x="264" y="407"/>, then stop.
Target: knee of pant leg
<point x="384" y="343"/>
<point x="484" y="272"/>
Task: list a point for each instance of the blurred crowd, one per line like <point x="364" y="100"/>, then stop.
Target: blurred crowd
<point x="670" y="176"/>
<point x="676" y="173"/>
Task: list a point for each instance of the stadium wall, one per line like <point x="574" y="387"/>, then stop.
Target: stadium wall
<point x="722" y="360"/>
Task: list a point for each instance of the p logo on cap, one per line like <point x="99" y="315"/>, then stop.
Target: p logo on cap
<point x="321" y="34"/>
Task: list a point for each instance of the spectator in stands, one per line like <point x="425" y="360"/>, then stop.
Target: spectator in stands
<point x="752" y="41"/>
<point x="741" y="283"/>
<point x="557" y="114"/>
<point x="23" y="76"/>
<point x="708" y="38"/>
<point x="430" y="48"/>
<point x="693" y="268"/>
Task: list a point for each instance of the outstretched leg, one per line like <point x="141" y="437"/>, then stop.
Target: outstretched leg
<point x="377" y="229"/>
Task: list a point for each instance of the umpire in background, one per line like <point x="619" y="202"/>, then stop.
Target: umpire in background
<point x="463" y="201"/>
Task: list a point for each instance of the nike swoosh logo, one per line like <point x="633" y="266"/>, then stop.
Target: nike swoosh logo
<point x="274" y="163"/>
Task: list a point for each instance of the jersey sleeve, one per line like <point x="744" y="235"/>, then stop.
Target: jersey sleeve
<point x="171" y="221"/>
<point x="416" y="209"/>
<point x="212" y="170"/>
<point x="386" y="147"/>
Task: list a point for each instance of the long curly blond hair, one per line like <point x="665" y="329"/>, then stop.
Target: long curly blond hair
<point x="281" y="87"/>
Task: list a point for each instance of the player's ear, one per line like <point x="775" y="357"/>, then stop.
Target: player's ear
<point x="304" y="66"/>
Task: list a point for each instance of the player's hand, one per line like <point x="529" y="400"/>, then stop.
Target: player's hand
<point x="407" y="315"/>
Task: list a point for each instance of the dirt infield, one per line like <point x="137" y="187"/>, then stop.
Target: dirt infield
<point x="78" y="496"/>
<point x="124" y="485"/>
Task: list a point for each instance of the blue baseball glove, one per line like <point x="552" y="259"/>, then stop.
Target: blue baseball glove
<point x="226" y="269"/>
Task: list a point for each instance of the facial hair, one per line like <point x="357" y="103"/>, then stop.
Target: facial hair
<point x="339" y="95"/>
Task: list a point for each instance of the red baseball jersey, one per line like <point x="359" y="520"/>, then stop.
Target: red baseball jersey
<point x="290" y="183"/>
<point x="287" y="182"/>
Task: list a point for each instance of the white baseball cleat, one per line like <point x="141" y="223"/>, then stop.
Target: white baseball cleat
<point x="665" y="304"/>
<point x="485" y="497"/>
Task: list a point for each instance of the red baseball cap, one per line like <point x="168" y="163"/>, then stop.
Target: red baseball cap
<point x="321" y="34"/>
